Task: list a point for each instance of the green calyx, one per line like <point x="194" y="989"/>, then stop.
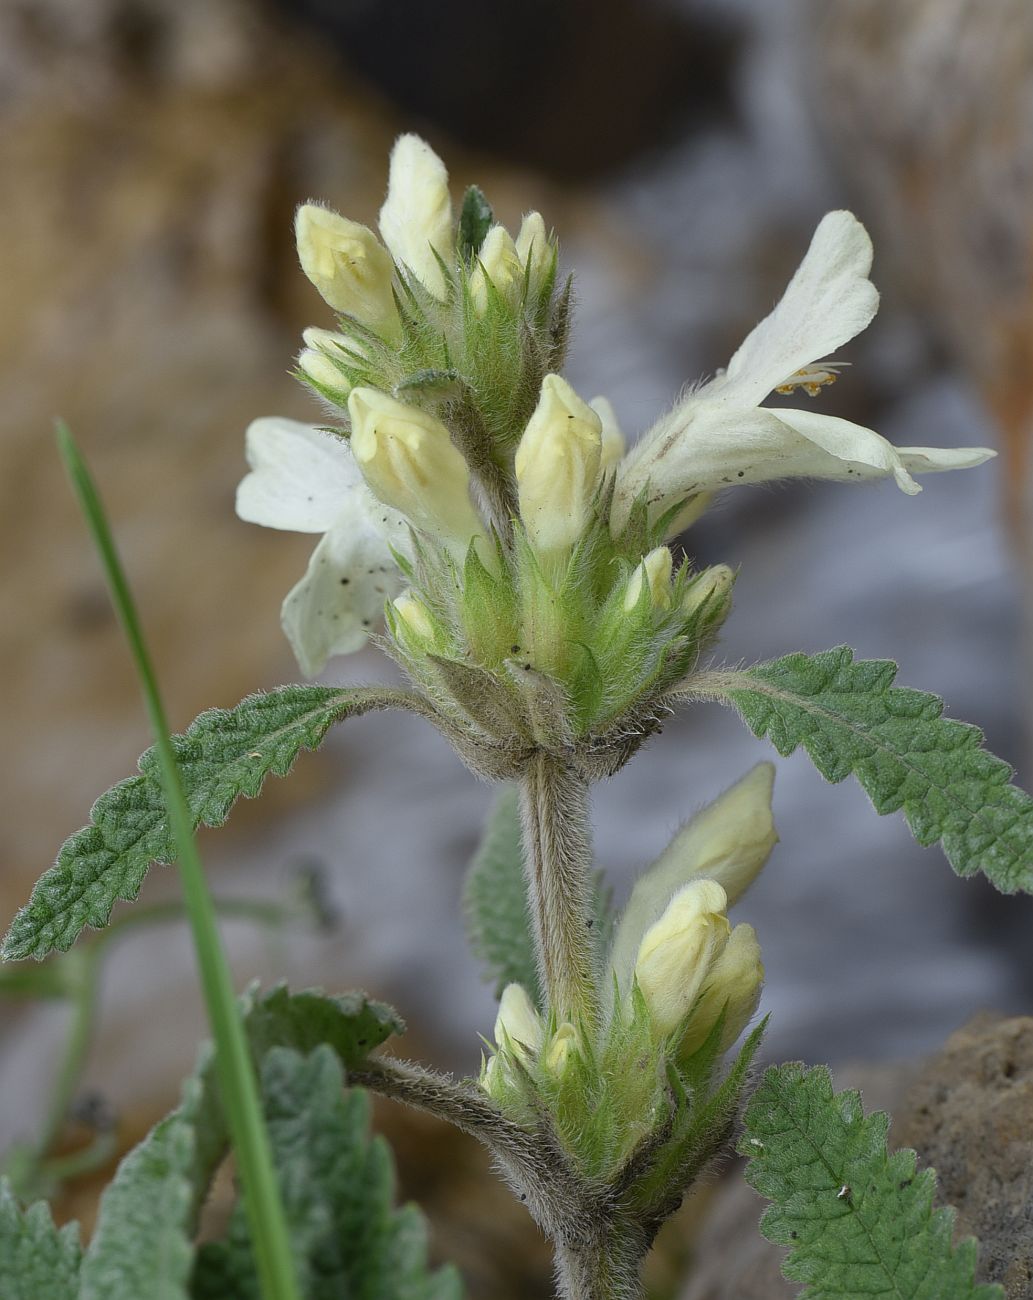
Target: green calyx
<point x="559" y="652"/>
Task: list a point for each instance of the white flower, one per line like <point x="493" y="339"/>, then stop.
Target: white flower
<point x="497" y="264"/>
<point x="728" y="842"/>
<point x="306" y="481"/>
<point x="614" y="444"/>
<point x="348" y="265"/>
<point x="416" y="219"/>
<point x="534" y="250"/>
<point x="518" y="1025"/>
<point x="407" y="457"/>
<point x="719" y="435"/>
<point x="654" y="572"/>
<point x="557" y="466"/>
<point x="677" y="952"/>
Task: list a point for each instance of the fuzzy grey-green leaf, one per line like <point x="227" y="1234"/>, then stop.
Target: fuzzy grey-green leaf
<point x="850" y="718"/>
<point x="37" y="1260"/>
<point x="858" y="1219"/>
<point x="143" y="1243"/>
<point x="225" y="753"/>
<point x="495" y="900"/>
<point x="338" y="1190"/>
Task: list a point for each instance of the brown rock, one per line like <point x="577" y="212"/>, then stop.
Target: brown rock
<point x="970" y="1116"/>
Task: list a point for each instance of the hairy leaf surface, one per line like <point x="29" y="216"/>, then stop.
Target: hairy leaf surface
<point x="37" y="1260"/>
<point x="858" y="1219"/>
<point x="850" y="718"/>
<point x="225" y="753"/>
<point x="495" y="900"/>
<point x="338" y="1188"/>
<point x="143" y="1243"/>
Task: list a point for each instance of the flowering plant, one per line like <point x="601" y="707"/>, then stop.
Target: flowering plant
<point x="490" y="529"/>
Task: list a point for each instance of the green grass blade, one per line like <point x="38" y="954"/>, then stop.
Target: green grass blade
<point x="234" y="1068"/>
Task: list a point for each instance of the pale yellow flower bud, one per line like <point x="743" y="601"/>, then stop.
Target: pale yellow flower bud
<point x="654" y="573"/>
<point x="316" y="361"/>
<point x="497" y="263"/>
<point x="614" y="442"/>
<point x="408" y="459"/>
<point x="533" y="249"/>
<point x="414" y="615"/>
<point x="713" y="585"/>
<point x="416" y="219"/>
<point x="733" y="985"/>
<point x="349" y="266"/>
<point x="728" y="842"/>
<point x="518" y="1024"/>
<point x="493" y="1077"/>
<point x="677" y="952"/>
<point x="557" y="1054"/>
<point x="557" y="466"/>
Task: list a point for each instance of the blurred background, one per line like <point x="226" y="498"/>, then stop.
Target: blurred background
<point x="152" y="154"/>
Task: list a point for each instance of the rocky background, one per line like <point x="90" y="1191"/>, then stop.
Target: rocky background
<point x="152" y="155"/>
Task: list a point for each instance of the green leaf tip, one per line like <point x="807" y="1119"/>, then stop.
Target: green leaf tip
<point x="858" y="1219"/>
<point x="850" y="718"/>
<point x="475" y="220"/>
<point x="37" y="1260"/>
<point x="225" y="753"/>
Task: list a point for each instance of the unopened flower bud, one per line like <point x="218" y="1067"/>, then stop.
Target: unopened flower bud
<point x="349" y="266"/>
<point x="534" y="250"/>
<point x="317" y="360"/>
<point x="518" y="1025"/>
<point x="714" y="588"/>
<point x="497" y="263"/>
<point x="677" y="952"/>
<point x="728" y="842"/>
<point x="733" y="986"/>
<point x="654" y="573"/>
<point x="557" y="1054"/>
<point x="416" y="219"/>
<point x="614" y="442"/>
<point x="414" y="616"/>
<point x="557" y="466"/>
<point x="409" y="461"/>
<point x="491" y="1076"/>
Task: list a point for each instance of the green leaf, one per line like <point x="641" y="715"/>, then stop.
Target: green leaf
<point x="859" y="1220"/>
<point x="224" y="753"/>
<point x="850" y="717"/>
<point x="498" y="921"/>
<point x="475" y="220"/>
<point x="338" y="1189"/>
<point x="143" y="1243"/>
<point x="37" y="1260"/>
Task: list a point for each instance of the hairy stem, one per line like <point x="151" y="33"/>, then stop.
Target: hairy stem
<point x="558" y="864"/>
<point x="532" y="1161"/>
<point x="607" y="1268"/>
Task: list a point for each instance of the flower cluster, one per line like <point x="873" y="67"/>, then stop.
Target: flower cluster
<point x="456" y="437"/>
<point x="520" y="558"/>
<point x="683" y="982"/>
